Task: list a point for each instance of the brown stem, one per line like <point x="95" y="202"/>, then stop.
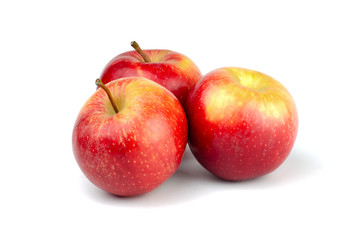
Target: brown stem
<point x="107" y="90"/>
<point x="140" y="51"/>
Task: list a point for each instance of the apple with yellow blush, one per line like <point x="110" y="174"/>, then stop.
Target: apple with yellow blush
<point x="130" y="136"/>
<point x="171" y="69"/>
<point x="242" y="123"/>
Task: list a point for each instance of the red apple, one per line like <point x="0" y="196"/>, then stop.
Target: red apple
<point x="170" y="69"/>
<point x="242" y="123"/>
<point x="132" y="141"/>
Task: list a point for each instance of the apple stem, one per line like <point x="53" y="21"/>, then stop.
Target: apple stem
<point x="136" y="46"/>
<point x="107" y="90"/>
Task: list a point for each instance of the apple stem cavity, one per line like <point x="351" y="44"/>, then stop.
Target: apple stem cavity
<point x="136" y="46"/>
<point x="107" y="90"/>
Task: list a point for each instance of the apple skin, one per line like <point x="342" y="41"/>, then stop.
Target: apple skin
<point x="136" y="150"/>
<point x="242" y="123"/>
<point x="170" y="69"/>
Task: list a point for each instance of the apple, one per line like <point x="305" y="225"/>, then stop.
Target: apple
<point x="130" y="136"/>
<point x="170" y="69"/>
<point x="242" y="123"/>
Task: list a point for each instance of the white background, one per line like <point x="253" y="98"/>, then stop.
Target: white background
<point x="52" y="52"/>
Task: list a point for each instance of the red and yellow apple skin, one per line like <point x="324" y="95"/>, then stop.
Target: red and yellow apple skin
<point x="137" y="149"/>
<point x="242" y="123"/>
<point x="170" y="69"/>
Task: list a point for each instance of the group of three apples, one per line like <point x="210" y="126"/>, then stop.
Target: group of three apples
<point x="131" y="134"/>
